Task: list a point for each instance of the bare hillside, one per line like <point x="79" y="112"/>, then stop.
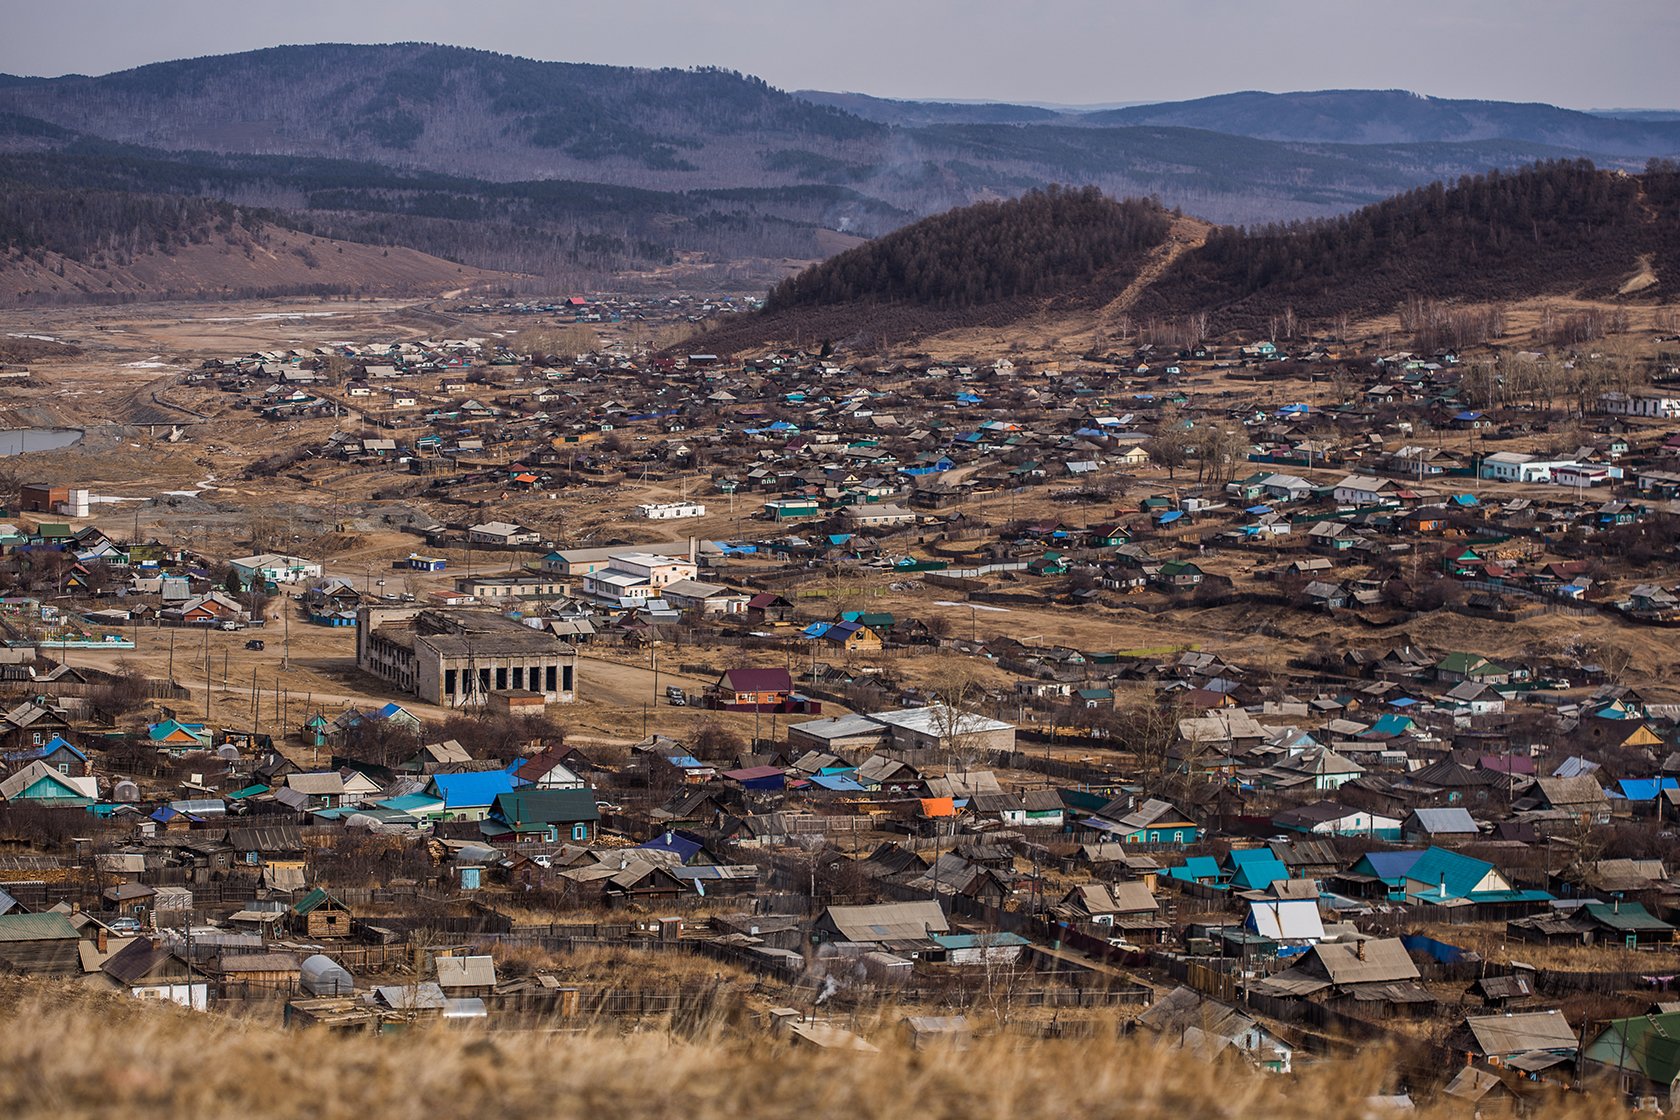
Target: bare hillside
<point x="263" y="260"/>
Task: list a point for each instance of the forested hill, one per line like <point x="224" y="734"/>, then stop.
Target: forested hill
<point x="1040" y="244"/>
<point x="1559" y="228"/>
<point x="1553" y="229"/>
<point x="1394" y="116"/>
<point x="429" y="106"/>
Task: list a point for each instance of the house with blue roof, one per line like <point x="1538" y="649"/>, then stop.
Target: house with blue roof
<point x="836" y="783"/>
<point x="1641" y="794"/>
<point x="58" y="753"/>
<point x="1386" y="868"/>
<point x="685" y="846"/>
<point x="469" y="796"/>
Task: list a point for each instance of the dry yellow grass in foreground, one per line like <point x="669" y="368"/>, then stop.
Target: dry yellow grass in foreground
<point x="72" y="1053"/>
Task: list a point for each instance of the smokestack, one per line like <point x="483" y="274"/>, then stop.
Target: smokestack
<point x="1443" y="885"/>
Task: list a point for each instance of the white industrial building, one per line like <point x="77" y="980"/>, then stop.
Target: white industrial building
<point x="670" y="511"/>
<point x="1515" y="466"/>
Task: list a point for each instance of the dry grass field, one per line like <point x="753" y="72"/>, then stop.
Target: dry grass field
<point x="75" y="1053"/>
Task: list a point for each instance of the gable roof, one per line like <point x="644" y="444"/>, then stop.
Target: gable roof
<point x="1286" y="919"/>
<point x="889" y="921"/>
<point x="524" y="808"/>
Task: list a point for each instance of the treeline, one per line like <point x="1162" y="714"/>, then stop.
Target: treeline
<point x="1556" y="227"/>
<point x="576" y="232"/>
<point x="1040" y="244"/>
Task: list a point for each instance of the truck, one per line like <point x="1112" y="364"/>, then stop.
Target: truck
<point x="676" y="697"/>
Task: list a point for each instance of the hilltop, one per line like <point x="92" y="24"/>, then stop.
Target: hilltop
<point x="1556" y="229"/>
<point x="1364" y="116"/>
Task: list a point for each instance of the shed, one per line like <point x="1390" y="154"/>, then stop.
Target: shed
<point x="39" y="943"/>
<point x="319" y="914"/>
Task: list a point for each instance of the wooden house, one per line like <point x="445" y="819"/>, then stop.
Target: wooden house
<point x="319" y="914"/>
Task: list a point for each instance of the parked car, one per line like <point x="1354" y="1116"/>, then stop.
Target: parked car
<point x="676" y="697"/>
<point x="124" y="926"/>
<point x="255" y="643"/>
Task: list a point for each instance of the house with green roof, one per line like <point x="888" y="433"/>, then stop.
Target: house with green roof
<point x="1628" y="924"/>
<point x="1643" y="1052"/>
<point x="319" y="914"/>
<point x="45" y="944"/>
<point x="542" y="815"/>
<point x="1471" y="667"/>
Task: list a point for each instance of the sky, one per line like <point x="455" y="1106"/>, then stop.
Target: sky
<point x="1603" y="54"/>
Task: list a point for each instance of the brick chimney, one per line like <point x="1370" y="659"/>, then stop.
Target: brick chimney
<point x="101" y="940"/>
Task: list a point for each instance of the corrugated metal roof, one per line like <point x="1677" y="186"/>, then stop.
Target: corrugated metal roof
<point x="51" y="926"/>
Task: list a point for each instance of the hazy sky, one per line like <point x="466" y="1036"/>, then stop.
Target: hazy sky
<point x="1609" y="53"/>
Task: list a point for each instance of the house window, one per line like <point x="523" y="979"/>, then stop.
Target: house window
<point x="519" y="676"/>
<point x="553" y="675"/>
<point x="1178" y="837"/>
<point x="580" y="832"/>
<point x="501" y="678"/>
<point x="449" y="682"/>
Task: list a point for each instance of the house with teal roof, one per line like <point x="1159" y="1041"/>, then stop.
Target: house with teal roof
<point x="1444" y="878"/>
<point x="177" y="737"/>
<point x="1197" y="869"/>
<point x="1258" y="872"/>
<point x="420" y="805"/>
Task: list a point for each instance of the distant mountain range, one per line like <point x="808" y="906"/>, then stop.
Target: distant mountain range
<point x="592" y="173"/>
<point x="1352" y="116"/>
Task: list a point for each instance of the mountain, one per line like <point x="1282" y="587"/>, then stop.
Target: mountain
<point x="428" y="106"/>
<point x="492" y="117"/>
<point x="1399" y="117"/>
<point x="1556" y="229"/>
<point x="597" y="175"/>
